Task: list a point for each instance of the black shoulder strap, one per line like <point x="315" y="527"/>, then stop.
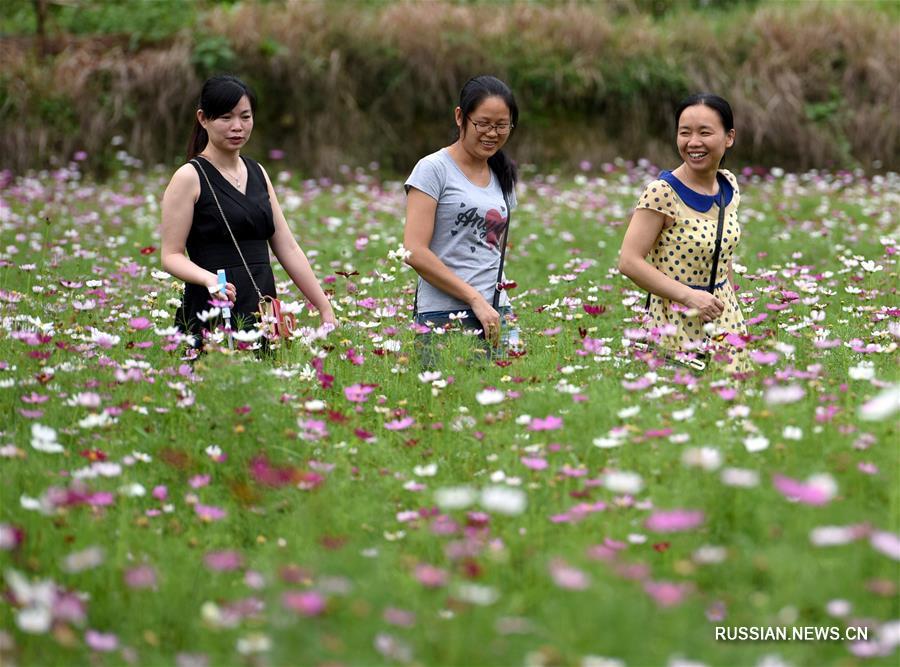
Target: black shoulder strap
<point x="718" y="248"/>
<point x="499" y="286"/>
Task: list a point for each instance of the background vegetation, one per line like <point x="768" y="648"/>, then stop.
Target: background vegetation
<point x="813" y="83"/>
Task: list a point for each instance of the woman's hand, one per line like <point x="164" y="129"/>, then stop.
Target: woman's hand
<point x="489" y="318"/>
<point x="327" y="316"/>
<point x="707" y="306"/>
<point x="230" y="291"/>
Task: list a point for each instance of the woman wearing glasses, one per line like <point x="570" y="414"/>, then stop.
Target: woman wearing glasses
<point x="458" y="206"/>
<point x="683" y="234"/>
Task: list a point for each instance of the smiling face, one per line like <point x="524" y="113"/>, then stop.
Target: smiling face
<point x="230" y="131"/>
<point x="702" y="139"/>
<point x="482" y="145"/>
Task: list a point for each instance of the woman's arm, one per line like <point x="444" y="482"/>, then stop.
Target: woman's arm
<point x="420" y="212"/>
<point x="294" y="261"/>
<point x="643" y="230"/>
<point x="177" y="216"/>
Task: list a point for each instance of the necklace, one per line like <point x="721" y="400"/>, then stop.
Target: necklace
<point x="225" y="172"/>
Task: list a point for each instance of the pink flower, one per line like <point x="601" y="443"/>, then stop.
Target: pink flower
<point x="160" y="492"/>
<point x="209" y="512"/>
<point x="568" y="577"/>
<point x="223" y="561"/>
<point x="764" y="358"/>
<point x="886" y="543"/>
<point x="549" y="423"/>
<point x="358" y="393"/>
<point x="101" y="642"/>
<point x="430" y="576"/>
<point x="305" y="603"/>
<point x="534" y="463"/>
<point x="674" y="521"/>
<point x="139" y="323"/>
<point x="806" y="493"/>
<point x="401" y="617"/>
<point x="666" y="593"/>
<point x="142" y="576"/>
<point x="400" y="424"/>
<point x="198" y="481"/>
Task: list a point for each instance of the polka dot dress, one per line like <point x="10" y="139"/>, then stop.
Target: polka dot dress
<point x="684" y="252"/>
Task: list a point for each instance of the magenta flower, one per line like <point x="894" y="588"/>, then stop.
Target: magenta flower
<point x="674" y="521"/>
<point x="764" y="358"/>
<point x="305" y="603"/>
<point x="534" y="463"/>
<point x="139" y="323"/>
<point x="550" y="423"/>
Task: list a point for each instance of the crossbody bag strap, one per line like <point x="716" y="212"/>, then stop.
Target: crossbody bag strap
<point x="227" y="226"/>
<point x="498" y="285"/>
<point x="718" y="247"/>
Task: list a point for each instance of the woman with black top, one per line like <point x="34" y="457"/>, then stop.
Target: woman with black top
<point x="191" y="218"/>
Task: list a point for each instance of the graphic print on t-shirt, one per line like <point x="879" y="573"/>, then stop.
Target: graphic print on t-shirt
<point x="487" y="230"/>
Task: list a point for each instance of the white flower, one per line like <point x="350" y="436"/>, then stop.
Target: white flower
<point x="427" y="377"/>
<point x="523" y="420"/>
<point x="683" y="415"/>
<point x="707" y="458"/>
<point x="476" y="594"/>
<point x="34" y="620"/>
<point x="503" y="500"/>
<point x="756" y="443"/>
<point x="710" y="555"/>
<point x="95" y="420"/>
<point x="87" y="559"/>
<point x="429" y="470"/>
<point x="864" y="371"/>
<point x="601" y="661"/>
<point x="454" y="497"/>
<point x="829" y="536"/>
<point x="792" y="433"/>
<point x="43" y="439"/>
<point x="623" y="482"/>
<point x="247" y="336"/>
<point x="781" y="395"/>
<point x="314" y="405"/>
<point x="740" y="477"/>
<point x="882" y="406"/>
<point x="626" y="413"/>
<point x="254" y="643"/>
<point x="490" y="396"/>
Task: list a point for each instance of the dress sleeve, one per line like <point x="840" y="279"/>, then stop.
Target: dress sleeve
<point x="428" y="177"/>
<point x="659" y="197"/>
<point x="732" y="179"/>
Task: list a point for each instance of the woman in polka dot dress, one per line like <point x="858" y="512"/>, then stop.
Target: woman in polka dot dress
<point x="670" y="244"/>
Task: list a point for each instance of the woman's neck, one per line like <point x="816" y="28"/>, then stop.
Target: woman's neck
<point x="226" y="159"/>
<point x="466" y="160"/>
<point x="703" y="182"/>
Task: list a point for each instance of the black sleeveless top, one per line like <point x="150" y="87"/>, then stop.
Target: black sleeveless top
<point x="210" y="246"/>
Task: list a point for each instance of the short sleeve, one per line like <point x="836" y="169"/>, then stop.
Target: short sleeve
<point x="427" y="176"/>
<point x="659" y="197"/>
<point x="732" y="179"/>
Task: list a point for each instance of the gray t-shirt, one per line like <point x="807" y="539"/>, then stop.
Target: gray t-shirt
<point x="468" y="227"/>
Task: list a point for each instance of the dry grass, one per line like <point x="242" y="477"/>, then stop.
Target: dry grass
<point x="813" y="84"/>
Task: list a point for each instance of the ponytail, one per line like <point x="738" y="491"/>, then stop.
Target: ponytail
<point x="197" y="142"/>
<point x="505" y="170"/>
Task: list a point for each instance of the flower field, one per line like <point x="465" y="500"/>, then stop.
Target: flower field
<point x="336" y="504"/>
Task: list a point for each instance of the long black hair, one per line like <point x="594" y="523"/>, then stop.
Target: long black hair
<point x="474" y="93"/>
<point x="714" y="102"/>
<point x="220" y="94"/>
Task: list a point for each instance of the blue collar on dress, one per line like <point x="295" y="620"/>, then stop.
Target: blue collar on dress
<point x="694" y="199"/>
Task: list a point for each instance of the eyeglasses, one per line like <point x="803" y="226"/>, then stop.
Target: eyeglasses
<point x="483" y="128"/>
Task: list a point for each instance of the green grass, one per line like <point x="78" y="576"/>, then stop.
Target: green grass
<point x="343" y="539"/>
